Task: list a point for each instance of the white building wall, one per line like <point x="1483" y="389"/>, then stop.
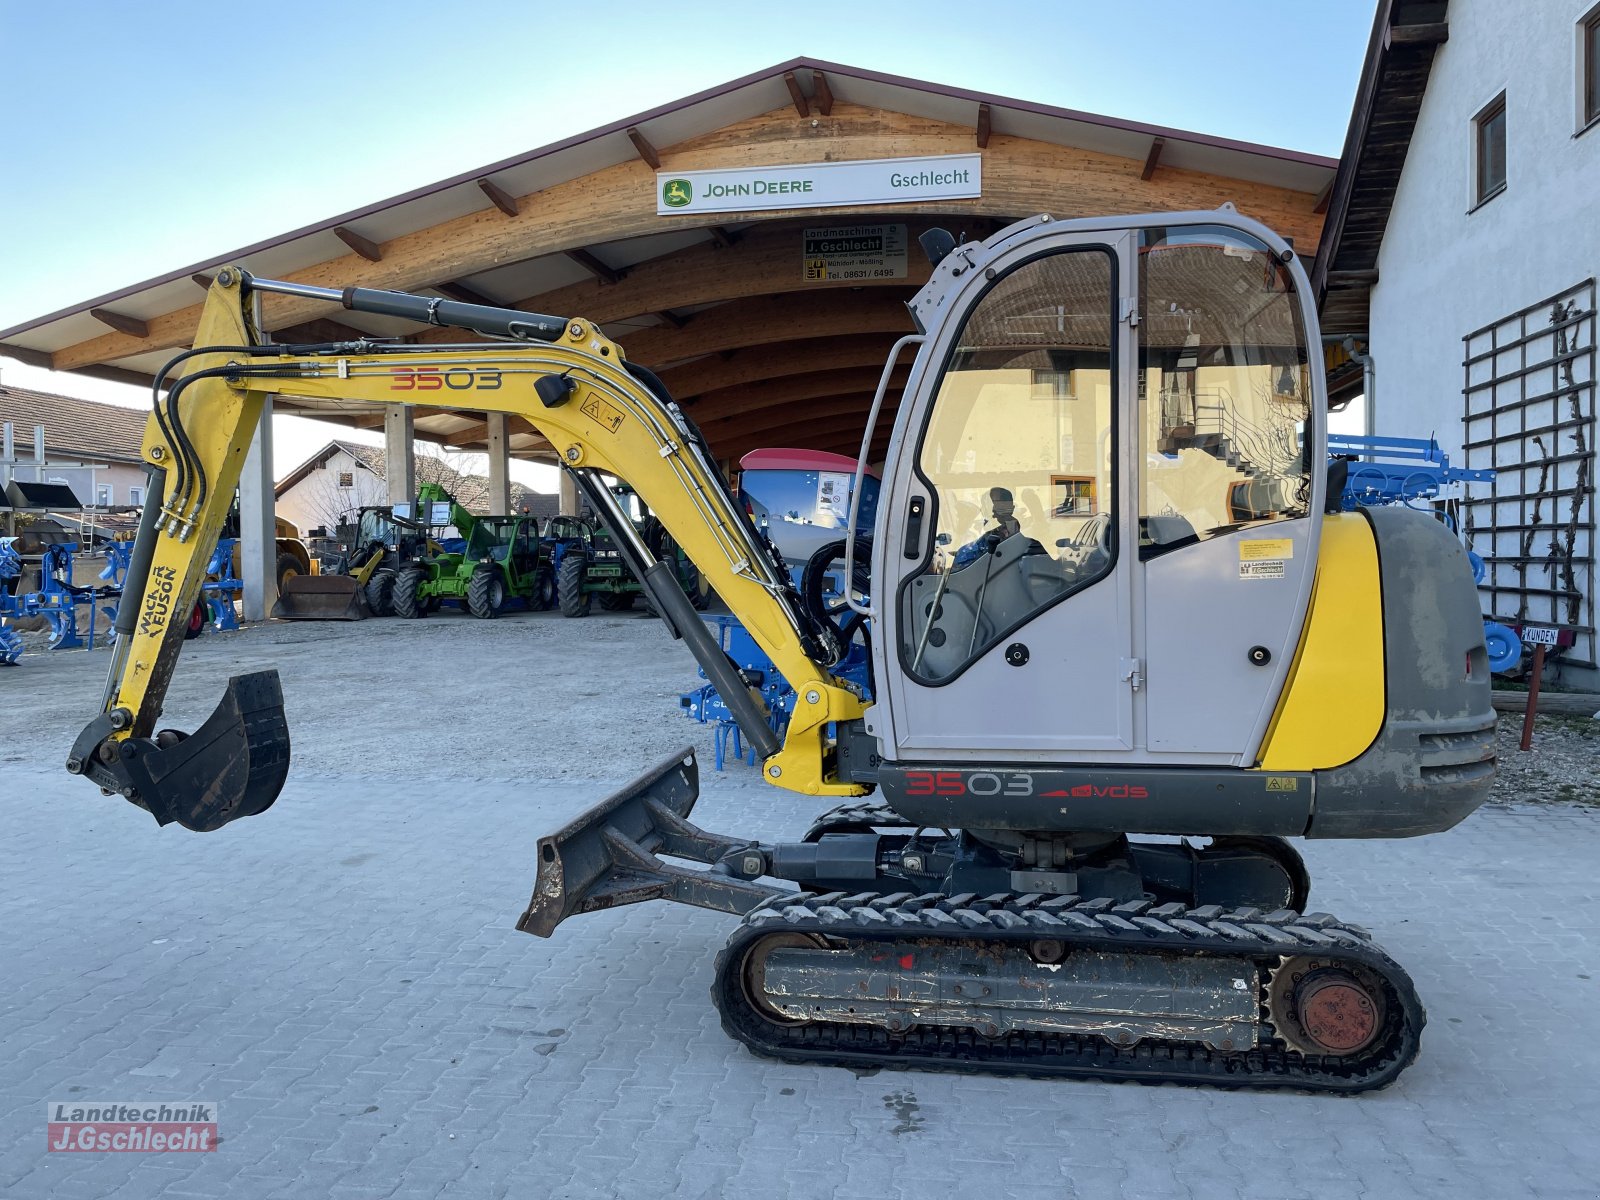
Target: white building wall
<point x="1444" y="271"/>
<point x="318" y="500"/>
<point x="1446" y="268"/>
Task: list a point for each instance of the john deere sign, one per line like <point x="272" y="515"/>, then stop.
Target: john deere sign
<point x="822" y="185"/>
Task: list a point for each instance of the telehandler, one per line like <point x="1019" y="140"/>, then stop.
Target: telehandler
<point x="1190" y="668"/>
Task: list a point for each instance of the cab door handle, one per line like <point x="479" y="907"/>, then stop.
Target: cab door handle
<point x="914" y="514"/>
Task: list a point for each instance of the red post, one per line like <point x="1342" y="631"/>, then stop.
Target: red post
<point x="1533" y="697"/>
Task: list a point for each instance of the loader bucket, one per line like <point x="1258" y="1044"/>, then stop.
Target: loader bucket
<point x="607" y="857"/>
<point x="232" y="766"/>
<point x="321" y="598"/>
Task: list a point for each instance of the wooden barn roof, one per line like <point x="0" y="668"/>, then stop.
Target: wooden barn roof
<point x="715" y="301"/>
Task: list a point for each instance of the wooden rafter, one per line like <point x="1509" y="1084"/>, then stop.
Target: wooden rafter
<point x="823" y="94"/>
<point x="132" y="326"/>
<point x="801" y="105"/>
<point x="595" y="267"/>
<point x="461" y="292"/>
<point x="365" y="247"/>
<point x="1153" y="158"/>
<point x="645" y="149"/>
<point x="1321" y="205"/>
<point x="721" y="236"/>
<point x="500" y="198"/>
<point x="764" y="320"/>
<point x="673" y="319"/>
<point x="323" y="329"/>
<point x="1353" y="279"/>
<point x="984" y="126"/>
<point x="203" y="280"/>
<point x="776" y="361"/>
<point x="1435" y="33"/>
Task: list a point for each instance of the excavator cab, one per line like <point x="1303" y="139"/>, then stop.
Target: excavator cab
<point x="1121" y="652"/>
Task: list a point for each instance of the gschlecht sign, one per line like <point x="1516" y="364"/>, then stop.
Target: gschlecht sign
<point x="821" y="185"/>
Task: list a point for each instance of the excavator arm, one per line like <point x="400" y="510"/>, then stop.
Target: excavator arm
<point x="604" y="416"/>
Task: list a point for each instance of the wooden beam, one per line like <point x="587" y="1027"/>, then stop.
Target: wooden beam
<point x="777" y="361"/>
<point x="1352" y="279"/>
<point x="721" y="236"/>
<point x="203" y="280"/>
<point x="645" y="149"/>
<point x="795" y="94"/>
<point x="673" y="319"/>
<point x="1321" y="205"/>
<point x="461" y="292"/>
<point x="132" y="326"/>
<point x="823" y="93"/>
<point x="702" y="274"/>
<point x="30" y="358"/>
<point x="367" y="249"/>
<point x="322" y="329"/>
<point x="500" y="198"/>
<point x="595" y="267"/>
<point x="764" y="320"/>
<point x="983" y="126"/>
<point x="1436" y="33"/>
<point x="1153" y="158"/>
<point x="773" y="395"/>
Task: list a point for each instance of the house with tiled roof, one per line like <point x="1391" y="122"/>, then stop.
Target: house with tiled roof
<point x="343" y="476"/>
<point x="92" y="448"/>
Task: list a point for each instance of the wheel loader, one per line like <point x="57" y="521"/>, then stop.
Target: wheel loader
<point x="1105" y="691"/>
<point x="377" y="544"/>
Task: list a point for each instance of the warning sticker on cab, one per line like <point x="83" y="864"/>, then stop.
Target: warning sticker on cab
<point x="605" y="414"/>
<point x="1262" y="548"/>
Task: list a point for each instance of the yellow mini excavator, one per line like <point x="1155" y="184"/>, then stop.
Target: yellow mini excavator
<point x="1122" y="646"/>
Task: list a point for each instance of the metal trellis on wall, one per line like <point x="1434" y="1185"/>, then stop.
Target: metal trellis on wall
<point x="1530" y="415"/>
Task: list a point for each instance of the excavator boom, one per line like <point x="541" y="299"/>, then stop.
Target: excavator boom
<point x="604" y="415"/>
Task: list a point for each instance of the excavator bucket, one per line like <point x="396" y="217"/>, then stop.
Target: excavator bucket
<point x="607" y="857"/>
<point x="321" y="598"/>
<point x="232" y="766"/>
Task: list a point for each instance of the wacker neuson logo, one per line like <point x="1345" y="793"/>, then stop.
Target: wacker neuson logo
<point x="823" y="185"/>
<point x="132" y="1127"/>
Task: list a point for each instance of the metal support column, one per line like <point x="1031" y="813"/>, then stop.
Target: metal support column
<point x="258" y="538"/>
<point x="499" y="464"/>
<point x="399" y="453"/>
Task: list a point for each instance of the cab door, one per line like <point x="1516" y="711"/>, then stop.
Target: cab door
<point x="1004" y="561"/>
<point x="1226" y="494"/>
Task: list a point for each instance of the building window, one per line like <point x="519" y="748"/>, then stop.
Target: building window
<point x="1489" y="151"/>
<point x="136" y="495"/>
<point x="102" y="495"/>
<point x="347" y="479"/>
<point x="1589" y="69"/>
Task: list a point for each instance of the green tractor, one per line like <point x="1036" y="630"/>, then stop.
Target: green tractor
<point x="587" y="564"/>
<point x="504" y="560"/>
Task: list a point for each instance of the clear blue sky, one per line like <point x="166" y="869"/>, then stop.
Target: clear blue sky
<point x="144" y="137"/>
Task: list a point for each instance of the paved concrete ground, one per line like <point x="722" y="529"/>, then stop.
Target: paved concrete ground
<point x="341" y="975"/>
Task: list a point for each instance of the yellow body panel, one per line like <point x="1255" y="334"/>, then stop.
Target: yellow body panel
<point x="1333" y="703"/>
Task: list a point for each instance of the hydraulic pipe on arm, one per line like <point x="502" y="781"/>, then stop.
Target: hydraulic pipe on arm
<point x="571" y="384"/>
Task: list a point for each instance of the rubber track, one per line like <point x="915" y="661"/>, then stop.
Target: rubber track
<point x="853" y="816"/>
<point x="1098" y="924"/>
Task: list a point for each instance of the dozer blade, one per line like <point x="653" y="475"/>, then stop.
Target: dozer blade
<point x="607" y="857"/>
<point x="321" y="598"/>
<point x="233" y="766"/>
